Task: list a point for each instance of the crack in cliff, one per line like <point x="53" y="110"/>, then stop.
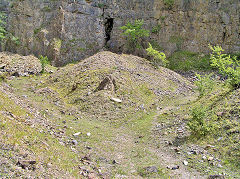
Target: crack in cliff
<point x="108" y="28"/>
<point x="224" y="34"/>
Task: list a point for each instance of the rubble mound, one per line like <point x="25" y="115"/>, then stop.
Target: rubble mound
<point x="99" y="83"/>
<point x="17" y="65"/>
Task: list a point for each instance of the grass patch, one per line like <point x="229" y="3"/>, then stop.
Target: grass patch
<point x="187" y="61"/>
<point x="43" y="147"/>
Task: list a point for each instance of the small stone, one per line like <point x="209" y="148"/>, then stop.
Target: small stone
<point x="220" y="138"/>
<point x="194" y="152"/>
<point x="216" y="177"/>
<point x="114" y="162"/>
<point x="204" y="157"/>
<point x="88" y="134"/>
<point x="62" y="143"/>
<point x="142" y="106"/>
<point x="92" y="176"/>
<point x="26" y="164"/>
<point x="89" y="148"/>
<point x="210" y="158"/>
<point x="2" y="66"/>
<point x="220" y="113"/>
<point x="49" y="165"/>
<point x="180" y="131"/>
<point x="209" y="146"/>
<point x="102" y="159"/>
<point x="87" y="157"/>
<point x="116" y="100"/>
<point x="176" y="149"/>
<point x="77" y="134"/>
<point x="175" y="168"/>
<point x="185" y="162"/>
<point x="151" y="169"/>
<point x="168" y="142"/>
<point x="74" y="142"/>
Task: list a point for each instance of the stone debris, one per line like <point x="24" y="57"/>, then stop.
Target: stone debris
<point x="17" y="65"/>
<point x="116" y="100"/>
<point x="77" y="134"/>
<point x="185" y="162"/>
<point x="27" y="164"/>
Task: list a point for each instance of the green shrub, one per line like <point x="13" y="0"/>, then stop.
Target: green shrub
<point x="156" y="29"/>
<point x="4" y="34"/>
<point x="2" y="27"/>
<point x="204" y="84"/>
<point x="227" y="65"/>
<point x="198" y="124"/>
<point x="168" y="3"/>
<point x="134" y="33"/>
<point x="158" y="58"/>
<point x="44" y="61"/>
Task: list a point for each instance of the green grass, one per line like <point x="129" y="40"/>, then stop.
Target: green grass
<point x="187" y="61"/>
<point x="42" y="146"/>
<point x="103" y="132"/>
<point x="225" y="101"/>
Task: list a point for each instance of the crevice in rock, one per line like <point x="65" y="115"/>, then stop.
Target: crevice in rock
<point x="224" y="35"/>
<point x="108" y="28"/>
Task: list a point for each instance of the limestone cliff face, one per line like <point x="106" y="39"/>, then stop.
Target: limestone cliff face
<point x="70" y="30"/>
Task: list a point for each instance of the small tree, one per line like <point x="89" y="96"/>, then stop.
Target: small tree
<point x="227" y="65"/>
<point x="204" y="84"/>
<point x="134" y="33"/>
<point x="44" y="61"/>
<point x="2" y="27"/>
<point x="158" y="58"/>
<point x="198" y="124"/>
<point x="4" y="34"/>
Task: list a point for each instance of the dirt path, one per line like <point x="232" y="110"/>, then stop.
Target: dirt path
<point x="169" y="157"/>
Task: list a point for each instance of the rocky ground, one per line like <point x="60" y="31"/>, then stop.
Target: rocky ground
<point x="109" y="116"/>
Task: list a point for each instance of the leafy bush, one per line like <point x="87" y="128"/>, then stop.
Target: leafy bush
<point x="227" y="65"/>
<point x="134" y="33"/>
<point x="204" y="84"/>
<point x="159" y="58"/>
<point x="44" y="61"/>
<point x="198" y="125"/>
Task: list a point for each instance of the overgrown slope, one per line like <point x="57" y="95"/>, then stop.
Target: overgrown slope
<point x="113" y="116"/>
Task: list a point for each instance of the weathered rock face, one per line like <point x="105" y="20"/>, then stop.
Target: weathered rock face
<point x="70" y="30"/>
<point x="4" y="4"/>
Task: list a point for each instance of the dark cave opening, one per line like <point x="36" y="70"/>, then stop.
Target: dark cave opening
<point x="108" y="29"/>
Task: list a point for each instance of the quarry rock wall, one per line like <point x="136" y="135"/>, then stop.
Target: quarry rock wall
<point x="70" y="30"/>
